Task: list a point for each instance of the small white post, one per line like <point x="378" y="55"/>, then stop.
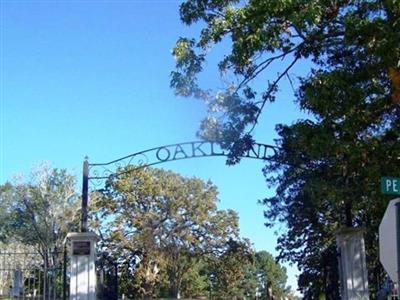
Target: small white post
<point x="83" y="270"/>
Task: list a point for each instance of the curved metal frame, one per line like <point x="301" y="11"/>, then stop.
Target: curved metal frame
<point x="98" y="172"/>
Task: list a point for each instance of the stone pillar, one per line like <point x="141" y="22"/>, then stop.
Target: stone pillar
<point x="83" y="270"/>
<point x="352" y="264"/>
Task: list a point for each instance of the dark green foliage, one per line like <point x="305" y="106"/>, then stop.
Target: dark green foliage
<point x="271" y="277"/>
<point x="328" y="169"/>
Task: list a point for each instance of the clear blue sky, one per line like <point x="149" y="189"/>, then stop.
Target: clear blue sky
<point x="92" y="78"/>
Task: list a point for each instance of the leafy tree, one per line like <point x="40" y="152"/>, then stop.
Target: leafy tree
<point x="241" y="273"/>
<point x="328" y="167"/>
<point x="195" y="281"/>
<point x="270" y="275"/>
<point x="342" y="160"/>
<point x="38" y="215"/>
<point x="5" y="221"/>
<point x="164" y="220"/>
<point x="230" y="270"/>
<point x="268" y="35"/>
<point x="249" y="284"/>
<point x="41" y="211"/>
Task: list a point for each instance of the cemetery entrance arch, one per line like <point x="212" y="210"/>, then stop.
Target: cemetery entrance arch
<point x="97" y="173"/>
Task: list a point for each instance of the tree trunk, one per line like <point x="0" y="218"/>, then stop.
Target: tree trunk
<point x="174" y="290"/>
<point x="46" y="287"/>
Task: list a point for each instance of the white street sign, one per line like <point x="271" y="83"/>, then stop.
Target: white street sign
<point x="388" y="240"/>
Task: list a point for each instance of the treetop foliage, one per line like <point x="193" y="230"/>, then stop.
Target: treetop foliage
<point x="361" y="35"/>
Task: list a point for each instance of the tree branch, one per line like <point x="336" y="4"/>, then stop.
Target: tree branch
<point x="272" y="87"/>
<point x="263" y="65"/>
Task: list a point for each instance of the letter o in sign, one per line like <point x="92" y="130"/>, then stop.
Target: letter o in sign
<point x="165" y="155"/>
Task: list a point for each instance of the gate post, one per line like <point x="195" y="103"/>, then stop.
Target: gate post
<point x="352" y="264"/>
<point x="83" y="269"/>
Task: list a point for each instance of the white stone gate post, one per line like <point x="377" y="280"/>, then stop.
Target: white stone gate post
<point x="352" y="264"/>
<point x="82" y="255"/>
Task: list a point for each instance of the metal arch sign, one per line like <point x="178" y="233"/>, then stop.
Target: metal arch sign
<point x="98" y="172"/>
<point x="167" y="153"/>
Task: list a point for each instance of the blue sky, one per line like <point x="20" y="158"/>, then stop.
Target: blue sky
<point x="92" y="78"/>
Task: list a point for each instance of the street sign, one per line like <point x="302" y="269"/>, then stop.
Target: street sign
<point x="390" y="185"/>
<point x="388" y="240"/>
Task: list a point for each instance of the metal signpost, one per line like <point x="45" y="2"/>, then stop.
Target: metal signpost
<point x="389" y="231"/>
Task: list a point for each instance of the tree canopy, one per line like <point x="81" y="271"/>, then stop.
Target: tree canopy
<point x="171" y="240"/>
<point x="41" y="211"/>
<point x="270" y="275"/>
<point x="328" y="167"/>
<point x="166" y="221"/>
<point x="264" y="35"/>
